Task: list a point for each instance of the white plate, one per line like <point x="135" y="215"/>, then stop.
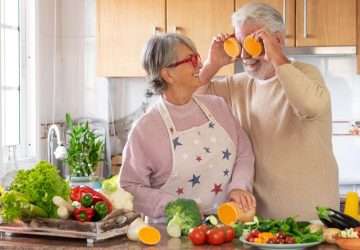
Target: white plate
<point x="280" y="246"/>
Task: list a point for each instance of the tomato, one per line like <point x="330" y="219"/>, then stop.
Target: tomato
<point x="215" y="236"/>
<point x="197" y="236"/>
<point x="229" y="233"/>
<point x="203" y="227"/>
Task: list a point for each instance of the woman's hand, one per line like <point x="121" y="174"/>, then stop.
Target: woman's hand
<point x="273" y="46"/>
<point x="244" y="199"/>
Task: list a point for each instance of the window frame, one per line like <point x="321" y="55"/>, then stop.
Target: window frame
<point x="25" y="151"/>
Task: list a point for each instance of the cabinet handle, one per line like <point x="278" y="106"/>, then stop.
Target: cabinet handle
<point x="156" y="30"/>
<point x="177" y="29"/>
<point x="284" y="16"/>
<point x="284" y="12"/>
<point x="305" y="19"/>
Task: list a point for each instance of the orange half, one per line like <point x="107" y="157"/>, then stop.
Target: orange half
<point x="232" y="47"/>
<point x="228" y="213"/>
<point x="149" y="235"/>
<point x="252" y="46"/>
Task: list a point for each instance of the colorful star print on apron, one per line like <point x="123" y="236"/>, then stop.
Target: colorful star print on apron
<point x="203" y="159"/>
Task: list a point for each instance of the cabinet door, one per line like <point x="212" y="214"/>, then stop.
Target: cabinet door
<point x="325" y="22"/>
<point x="123" y="27"/>
<point x="201" y="20"/>
<point x="287" y="10"/>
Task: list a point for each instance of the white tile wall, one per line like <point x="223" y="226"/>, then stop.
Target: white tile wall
<point x="75" y="89"/>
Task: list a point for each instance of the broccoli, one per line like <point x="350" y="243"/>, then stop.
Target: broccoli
<point x="183" y="213"/>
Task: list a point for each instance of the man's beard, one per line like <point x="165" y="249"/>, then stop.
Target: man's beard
<point x="263" y="72"/>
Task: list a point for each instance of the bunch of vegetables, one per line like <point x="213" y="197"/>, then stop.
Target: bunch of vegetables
<point x="298" y="230"/>
<point x="182" y="215"/>
<point x="270" y="238"/>
<point x="31" y="192"/>
<point x="88" y="204"/>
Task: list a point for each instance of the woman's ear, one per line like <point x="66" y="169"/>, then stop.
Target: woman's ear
<point x="166" y="75"/>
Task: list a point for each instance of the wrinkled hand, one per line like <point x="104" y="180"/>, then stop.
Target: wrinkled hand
<point x="216" y="54"/>
<point x="272" y="46"/>
<point x="244" y="199"/>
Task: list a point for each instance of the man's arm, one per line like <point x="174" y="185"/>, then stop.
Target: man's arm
<point x="305" y="89"/>
<point x="217" y="58"/>
<point x="303" y="85"/>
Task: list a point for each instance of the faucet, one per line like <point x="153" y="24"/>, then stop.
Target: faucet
<point x="56" y="149"/>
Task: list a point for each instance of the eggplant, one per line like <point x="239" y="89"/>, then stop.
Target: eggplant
<point x="335" y="219"/>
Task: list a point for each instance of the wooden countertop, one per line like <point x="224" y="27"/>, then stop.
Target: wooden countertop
<point x="57" y="243"/>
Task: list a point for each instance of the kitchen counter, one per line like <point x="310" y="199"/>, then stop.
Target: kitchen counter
<point x="55" y="243"/>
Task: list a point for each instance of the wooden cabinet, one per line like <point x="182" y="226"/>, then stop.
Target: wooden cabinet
<point x="358" y="38"/>
<point x="201" y="20"/>
<point x="123" y="27"/>
<point x="287" y="10"/>
<point x="325" y="22"/>
<point x="317" y="22"/>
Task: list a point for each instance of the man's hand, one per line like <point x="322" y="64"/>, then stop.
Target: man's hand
<point x="273" y="47"/>
<point x="244" y="199"/>
<point x="217" y="58"/>
<point x="216" y="54"/>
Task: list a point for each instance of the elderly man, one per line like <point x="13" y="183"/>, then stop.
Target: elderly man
<point x="285" y="108"/>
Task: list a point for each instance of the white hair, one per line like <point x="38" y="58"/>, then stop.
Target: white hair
<point x="259" y="13"/>
<point x="159" y="52"/>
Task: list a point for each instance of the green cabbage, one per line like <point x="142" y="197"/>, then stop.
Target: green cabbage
<point x="38" y="185"/>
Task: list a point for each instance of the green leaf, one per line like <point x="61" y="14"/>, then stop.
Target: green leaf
<point x="69" y="121"/>
<point x="85" y="150"/>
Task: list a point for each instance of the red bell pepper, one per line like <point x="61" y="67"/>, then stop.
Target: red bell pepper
<point x="78" y="192"/>
<point x="84" y="214"/>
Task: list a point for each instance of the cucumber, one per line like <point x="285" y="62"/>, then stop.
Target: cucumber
<point x="211" y="220"/>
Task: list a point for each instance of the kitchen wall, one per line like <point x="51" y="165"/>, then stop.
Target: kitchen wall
<point x="73" y="86"/>
<point x="66" y="64"/>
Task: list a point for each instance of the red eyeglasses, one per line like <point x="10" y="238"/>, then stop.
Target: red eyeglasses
<point x="193" y="58"/>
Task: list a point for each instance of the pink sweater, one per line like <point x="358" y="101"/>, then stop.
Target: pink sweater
<point x="147" y="158"/>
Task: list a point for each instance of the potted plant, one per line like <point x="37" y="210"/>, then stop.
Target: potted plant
<point x="85" y="149"/>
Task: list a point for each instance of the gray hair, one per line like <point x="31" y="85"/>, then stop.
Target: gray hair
<point x="259" y="13"/>
<point x="159" y="52"/>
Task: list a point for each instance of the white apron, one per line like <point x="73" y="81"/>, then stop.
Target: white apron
<point x="202" y="161"/>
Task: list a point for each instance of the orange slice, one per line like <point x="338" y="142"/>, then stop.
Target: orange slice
<point x="232" y="47"/>
<point x="252" y="46"/>
<point x="149" y="235"/>
<point x="228" y="213"/>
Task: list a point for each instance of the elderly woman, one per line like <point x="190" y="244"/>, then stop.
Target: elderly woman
<point x="186" y="146"/>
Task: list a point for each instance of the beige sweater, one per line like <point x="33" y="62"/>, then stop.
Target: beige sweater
<point x="289" y="123"/>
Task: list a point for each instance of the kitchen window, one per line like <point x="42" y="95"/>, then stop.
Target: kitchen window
<point x="17" y="90"/>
